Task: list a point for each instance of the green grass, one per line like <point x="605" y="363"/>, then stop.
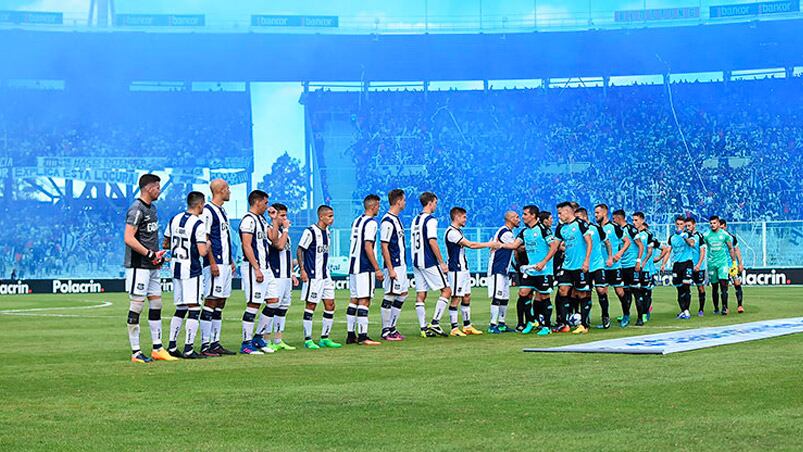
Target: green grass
<point x="66" y="383"/>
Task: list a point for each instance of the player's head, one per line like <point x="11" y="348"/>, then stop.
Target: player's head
<point x="582" y="213"/>
<point x="150" y="186"/>
<point x="565" y="212"/>
<point x="680" y="222"/>
<point x="429" y="201"/>
<point x="574" y="205"/>
<point x="371" y="204"/>
<point x="258" y="202"/>
<point x="545" y="218"/>
<point x="691" y="223"/>
<point x="723" y="223"/>
<point x="638" y="220"/>
<point x="713" y="221"/>
<point x="619" y="217"/>
<point x="458" y="216"/>
<point x="530" y="214"/>
<point x="396" y="198"/>
<point x="220" y="189"/>
<point x="280" y="212"/>
<point x="326" y="215"/>
<point x="600" y="212"/>
<point x="195" y="202"/>
<point x="512" y="219"/>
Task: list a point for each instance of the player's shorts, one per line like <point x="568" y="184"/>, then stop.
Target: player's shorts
<point x="431" y="278"/>
<point x="614" y="277"/>
<point x="187" y="291"/>
<point x="361" y="285"/>
<point x="598" y="278"/>
<point x="217" y="286"/>
<point x="648" y="280"/>
<point x="315" y="290"/>
<point x="577" y="279"/>
<point x="630" y="278"/>
<point x="281" y="290"/>
<point x="256" y="292"/>
<point x="142" y="282"/>
<point x="540" y="283"/>
<point x="460" y="283"/>
<point x="699" y="277"/>
<point x="499" y="287"/>
<point x="682" y="273"/>
<point x="718" y="273"/>
<point x="398" y="285"/>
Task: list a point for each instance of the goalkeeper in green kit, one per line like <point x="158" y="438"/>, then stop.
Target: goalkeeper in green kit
<point x="720" y="256"/>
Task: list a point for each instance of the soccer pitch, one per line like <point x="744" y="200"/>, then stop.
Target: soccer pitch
<point x="67" y="383"/>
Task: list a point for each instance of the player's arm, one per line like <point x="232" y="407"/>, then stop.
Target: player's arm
<point x="278" y="238"/>
<point x="303" y="247"/>
<point x="131" y="240"/>
<point x="609" y="248"/>
<point x="248" y="251"/>
<point x="478" y="245"/>
<point x="732" y="250"/>
<point x="587" y="260"/>
<point x="385" y="233"/>
<point x="200" y="239"/>
<point x="553" y="248"/>
<point x="433" y="244"/>
<point x="690" y="240"/>
<point x="369" y="250"/>
<point x="664" y="257"/>
<point x="626" y="241"/>
<point x="699" y="264"/>
<point x="207" y="219"/>
<point x="641" y="252"/>
<point x="739" y="260"/>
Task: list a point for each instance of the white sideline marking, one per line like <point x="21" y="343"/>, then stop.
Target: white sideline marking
<point x="103" y="304"/>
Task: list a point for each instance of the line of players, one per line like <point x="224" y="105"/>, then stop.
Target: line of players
<point x="202" y="265"/>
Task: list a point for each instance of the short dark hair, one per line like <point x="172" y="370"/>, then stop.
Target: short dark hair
<point x="602" y="206"/>
<point x="256" y="195"/>
<point x="691" y="220"/>
<point x="564" y="204"/>
<point x="723" y="222"/>
<point x="714" y="217"/>
<point x="323" y="208"/>
<point x="194" y="198"/>
<point x="427" y="197"/>
<point x="581" y="210"/>
<point x="368" y="200"/>
<point x="279" y="207"/>
<point x="147" y="179"/>
<point x="395" y="195"/>
<point x="574" y="205"/>
<point x="532" y="209"/>
<point x="680" y="218"/>
<point x="619" y="213"/>
<point x="543" y="215"/>
<point x="639" y="214"/>
<point x="456" y="211"/>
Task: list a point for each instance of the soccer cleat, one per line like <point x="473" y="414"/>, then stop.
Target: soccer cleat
<point x="740" y="310"/>
<point x="625" y="321"/>
<point x="259" y="343"/>
<point x="580" y="330"/>
<point x="394" y="337"/>
<point x="469" y="330"/>
<point x="563" y="329"/>
<point x="192" y="354"/>
<point x="506" y="329"/>
<point x="351" y="338"/>
<point x="398" y="335"/>
<point x="369" y="341"/>
<point x="619" y="319"/>
<point x="311" y="345"/>
<point x="209" y="353"/>
<point x="436" y="330"/>
<point x="423" y="333"/>
<point x="493" y="329"/>
<point x="529" y="328"/>
<point x="700" y="313"/>
<point x="220" y="350"/>
<point x="716" y="311"/>
<point x="647" y="315"/>
<point x="606" y="323"/>
<point x="248" y="349"/>
<point x="140" y="358"/>
<point x="544" y="331"/>
<point x="724" y="311"/>
<point x="327" y="343"/>
<point x="457" y="333"/>
<point x="281" y="345"/>
<point x="639" y="322"/>
<point x="163" y="355"/>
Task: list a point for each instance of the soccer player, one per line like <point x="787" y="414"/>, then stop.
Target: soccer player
<point x="660" y="253"/>
<point x="143" y="259"/>
<point x="698" y="255"/>
<point x="429" y="269"/>
<point x="499" y="279"/>
<point x="394" y="260"/>
<point x="536" y="269"/>
<point x="738" y="264"/>
<point x="363" y="268"/>
<point x="459" y="275"/>
<point x="681" y="243"/>
<point x="218" y="269"/>
<point x="575" y="282"/>
<point x="719" y="244"/>
<point x="313" y="262"/>
<point x="640" y="291"/>
<point x="255" y="270"/>
<point x="274" y="314"/>
<point x="601" y="256"/>
<point x="631" y="264"/>
<point x="185" y="237"/>
<point x="620" y="243"/>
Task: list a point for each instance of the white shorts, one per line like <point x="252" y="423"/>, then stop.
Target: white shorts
<point x="141" y="282"/>
<point x="499" y="287"/>
<point x="427" y="279"/>
<point x="460" y="283"/>
<point x="361" y="285"/>
<point x="281" y="290"/>
<point x="217" y="286"/>
<point x="187" y="291"/>
<point x="315" y="290"/>
<point x="256" y="292"/>
<point x="396" y="286"/>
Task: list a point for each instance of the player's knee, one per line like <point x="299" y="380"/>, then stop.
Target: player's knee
<point x="194" y="312"/>
<point x="249" y="316"/>
<point x="181" y="311"/>
<point x="309" y="306"/>
<point x="496" y="302"/>
<point x="387" y="304"/>
<point x="307" y="314"/>
<point x="155" y="303"/>
<point x="327" y="314"/>
<point x="446" y="292"/>
<point x="398" y="302"/>
<point x="134" y="309"/>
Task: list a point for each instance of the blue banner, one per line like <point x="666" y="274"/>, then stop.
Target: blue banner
<point x="755" y="9"/>
<point x="641" y="15"/>
<point x="294" y="21"/>
<point x="160" y="20"/>
<point x="31" y="17"/>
